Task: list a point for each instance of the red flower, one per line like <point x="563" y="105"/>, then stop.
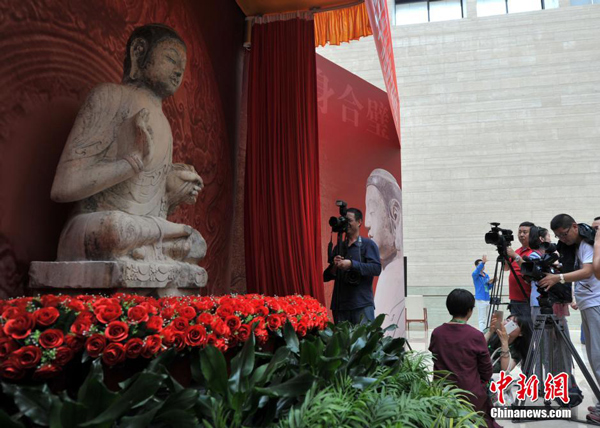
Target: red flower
<point x="168" y="312"/>
<point x="196" y="336"/>
<point x="243" y="332"/>
<point x="180" y="324"/>
<point x="52" y="338"/>
<point x="138" y="314"/>
<point x="133" y="347"/>
<point x="205" y="318"/>
<point x="76" y="343"/>
<point x="152" y="345"/>
<point x="7" y="345"/>
<point x="46" y="316"/>
<point x="108" y="313"/>
<point x="11" y="370"/>
<point x="50" y="300"/>
<point x="173" y="338"/>
<point x="155" y="323"/>
<point x="233" y="322"/>
<point x="113" y="354"/>
<point x="219" y="327"/>
<point x="95" y="345"/>
<point x="46" y="372"/>
<point x="116" y="331"/>
<point x="225" y="310"/>
<point x="20" y="326"/>
<point x="27" y="357"/>
<point x="261" y="310"/>
<point x="187" y="312"/>
<point x="63" y="355"/>
<point x="150" y="308"/>
<point x="75" y="305"/>
<point x="274" y="322"/>
<point x="12" y="312"/>
<point x="80" y="328"/>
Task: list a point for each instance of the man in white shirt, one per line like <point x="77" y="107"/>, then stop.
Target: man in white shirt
<point x="587" y="287"/>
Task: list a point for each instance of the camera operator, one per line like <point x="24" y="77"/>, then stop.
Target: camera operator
<point x="519" y="295"/>
<point x="539" y="240"/>
<point x="352" y="298"/>
<point x="575" y="248"/>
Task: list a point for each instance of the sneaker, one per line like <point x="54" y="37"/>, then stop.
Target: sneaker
<point x="593" y="418"/>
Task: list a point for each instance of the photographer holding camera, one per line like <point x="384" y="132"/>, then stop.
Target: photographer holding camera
<point x="577" y="253"/>
<point x="519" y="290"/>
<point x="353" y="268"/>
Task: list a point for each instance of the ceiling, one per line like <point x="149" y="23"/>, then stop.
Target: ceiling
<point x="264" y="7"/>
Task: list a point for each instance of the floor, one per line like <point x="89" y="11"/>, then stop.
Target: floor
<point x="419" y="341"/>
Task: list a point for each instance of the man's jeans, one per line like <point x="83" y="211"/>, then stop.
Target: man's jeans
<point x="355" y="316"/>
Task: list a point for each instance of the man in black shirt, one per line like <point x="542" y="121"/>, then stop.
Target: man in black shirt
<point x="353" y="300"/>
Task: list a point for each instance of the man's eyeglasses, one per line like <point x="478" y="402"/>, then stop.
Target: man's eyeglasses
<point x="564" y="234"/>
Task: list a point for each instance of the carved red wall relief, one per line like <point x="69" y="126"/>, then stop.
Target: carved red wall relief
<point x="52" y="52"/>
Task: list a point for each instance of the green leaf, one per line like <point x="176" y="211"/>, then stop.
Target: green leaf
<point x="178" y="419"/>
<point x="140" y="421"/>
<point x="214" y="369"/>
<point x="142" y="390"/>
<point x="8" y="422"/>
<point x="294" y="387"/>
<point x="182" y="400"/>
<point x="33" y="402"/>
<point x="360" y="382"/>
<point x="55" y="412"/>
<point x="291" y="338"/>
<point x="278" y="361"/>
<point x="72" y="413"/>
<point x="242" y="366"/>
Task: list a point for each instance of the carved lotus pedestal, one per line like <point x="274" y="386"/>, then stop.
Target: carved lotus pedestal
<point x="159" y="279"/>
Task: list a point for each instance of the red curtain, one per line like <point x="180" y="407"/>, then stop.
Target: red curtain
<point x="282" y="205"/>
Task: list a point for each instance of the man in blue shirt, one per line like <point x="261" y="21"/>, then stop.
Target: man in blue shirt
<point x="483" y="284"/>
<point x="353" y="300"/>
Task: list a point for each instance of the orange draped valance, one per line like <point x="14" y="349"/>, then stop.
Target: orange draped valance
<point x="342" y="25"/>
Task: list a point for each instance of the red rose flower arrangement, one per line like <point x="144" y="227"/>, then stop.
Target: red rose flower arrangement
<point x="40" y="335"/>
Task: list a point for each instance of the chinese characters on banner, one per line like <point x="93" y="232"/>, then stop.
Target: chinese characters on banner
<point x="380" y="23"/>
<point x="554" y="387"/>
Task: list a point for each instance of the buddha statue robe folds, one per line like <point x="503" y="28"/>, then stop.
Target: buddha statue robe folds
<point x="117" y="169"/>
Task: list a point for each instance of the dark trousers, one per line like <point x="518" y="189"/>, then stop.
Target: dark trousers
<point x="355" y="316"/>
<point x="521" y="310"/>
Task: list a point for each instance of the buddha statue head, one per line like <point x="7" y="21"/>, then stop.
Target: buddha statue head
<point x="155" y="59"/>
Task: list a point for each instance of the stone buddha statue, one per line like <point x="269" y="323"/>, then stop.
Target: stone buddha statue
<point x="117" y="167"/>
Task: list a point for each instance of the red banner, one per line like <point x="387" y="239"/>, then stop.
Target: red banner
<point x="359" y="162"/>
<point x="380" y="23"/>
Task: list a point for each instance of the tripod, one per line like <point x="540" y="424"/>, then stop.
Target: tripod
<point x="496" y="295"/>
<point x="549" y="335"/>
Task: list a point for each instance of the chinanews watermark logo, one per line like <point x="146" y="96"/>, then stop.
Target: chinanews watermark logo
<point x="555" y="387"/>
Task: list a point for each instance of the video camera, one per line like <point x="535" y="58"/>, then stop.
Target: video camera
<point x="340" y="224"/>
<point x="534" y="269"/>
<point x="499" y="237"/>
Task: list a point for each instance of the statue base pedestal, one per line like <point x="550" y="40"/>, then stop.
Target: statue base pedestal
<point x="160" y="279"/>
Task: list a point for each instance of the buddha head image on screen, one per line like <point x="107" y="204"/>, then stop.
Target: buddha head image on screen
<point x="117" y="167"/>
<point x="383" y="220"/>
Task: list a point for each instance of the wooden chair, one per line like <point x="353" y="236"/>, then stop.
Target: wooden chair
<point x="415" y="311"/>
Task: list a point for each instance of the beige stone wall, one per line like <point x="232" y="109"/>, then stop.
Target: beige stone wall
<point x="500" y="122"/>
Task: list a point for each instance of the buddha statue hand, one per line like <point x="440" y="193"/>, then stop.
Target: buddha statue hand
<point x="135" y="142"/>
<point x="183" y="185"/>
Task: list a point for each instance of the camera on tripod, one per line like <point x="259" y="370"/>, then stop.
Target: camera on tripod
<point x="499" y="237"/>
<point x="534" y="269"/>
